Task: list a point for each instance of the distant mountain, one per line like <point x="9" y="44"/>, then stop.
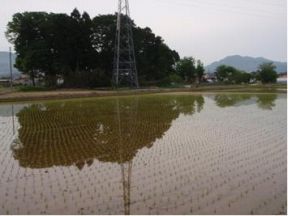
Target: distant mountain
<point x="4" y="64"/>
<point x="246" y="63"/>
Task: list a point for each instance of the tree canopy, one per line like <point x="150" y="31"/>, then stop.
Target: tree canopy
<point x="267" y="73"/>
<point x="80" y="49"/>
<point x="231" y="75"/>
<point x="189" y="69"/>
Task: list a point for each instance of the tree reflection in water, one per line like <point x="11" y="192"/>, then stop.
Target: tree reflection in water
<point x="264" y="101"/>
<point x="109" y="130"/>
<point x="267" y="101"/>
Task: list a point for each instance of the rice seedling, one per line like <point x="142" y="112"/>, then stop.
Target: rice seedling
<point x="183" y="160"/>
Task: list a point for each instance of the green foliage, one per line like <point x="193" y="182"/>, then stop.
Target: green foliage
<point x="172" y="81"/>
<point x="175" y="78"/>
<point x="154" y="58"/>
<point x="32" y="88"/>
<point x="225" y="73"/>
<point x="267" y="73"/>
<point x="190" y="70"/>
<point x="200" y="70"/>
<point x="231" y="75"/>
<point x="185" y="68"/>
<point x="239" y="77"/>
<point x="246" y="77"/>
<point x="264" y="101"/>
<point x="80" y="49"/>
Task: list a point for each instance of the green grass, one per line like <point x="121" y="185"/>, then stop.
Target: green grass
<point x="33" y="88"/>
<point x="176" y="85"/>
<point x="4" y="89"/>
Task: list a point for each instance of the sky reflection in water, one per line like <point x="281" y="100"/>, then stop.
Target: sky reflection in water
<point x="78" y="133"/>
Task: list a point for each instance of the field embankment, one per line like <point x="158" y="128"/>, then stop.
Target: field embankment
<point x="15" y="95"/>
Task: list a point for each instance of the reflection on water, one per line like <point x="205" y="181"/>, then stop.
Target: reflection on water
<point x="264" y="101"/>
<point x="13" y="119"/>
<point x="62" y="134"/>
<point x="204" y="159"/>
<point x="267" y="101"/>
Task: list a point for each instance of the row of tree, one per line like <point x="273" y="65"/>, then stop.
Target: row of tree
<point x="190" y="70"/>
<point x="80" y="50"/>
<point x="266" y="73"/>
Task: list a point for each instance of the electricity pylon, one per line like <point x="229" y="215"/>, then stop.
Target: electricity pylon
<point x="126" y="167"/>
<point x="124" y="66"/>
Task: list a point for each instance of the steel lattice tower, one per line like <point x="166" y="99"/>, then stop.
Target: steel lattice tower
<point x="124" y="66"/>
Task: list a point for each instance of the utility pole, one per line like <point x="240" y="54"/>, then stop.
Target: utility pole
<point x="10" y="64"/>
<point x="124" y="65"/>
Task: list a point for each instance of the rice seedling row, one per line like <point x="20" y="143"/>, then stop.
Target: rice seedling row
<point x="188" y="155"/>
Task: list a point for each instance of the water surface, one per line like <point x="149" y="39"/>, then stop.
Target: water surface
<point x="164" y="154"/>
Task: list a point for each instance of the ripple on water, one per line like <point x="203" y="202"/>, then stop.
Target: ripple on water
<point x="164" y="154"/>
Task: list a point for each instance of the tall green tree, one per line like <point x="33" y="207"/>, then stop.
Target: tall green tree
<point x="186" y="69"/>
<point x="231" y="75"/>
<point x="103" y="42"/>
<point x="155" y="60"/>
<point x="267" y="73"/>
<point x="241" y="77"/>
<point x="80" y="50"/>
<point x="224" y="73"/>
<point x="199" y="71"/>
<point x="33" y="53"/>
<point x="190" y="69"/>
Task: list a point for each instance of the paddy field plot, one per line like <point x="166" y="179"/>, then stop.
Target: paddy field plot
<point x="156" y="154"/>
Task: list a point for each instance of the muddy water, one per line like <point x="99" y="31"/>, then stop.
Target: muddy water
<point x="165" y="154"/>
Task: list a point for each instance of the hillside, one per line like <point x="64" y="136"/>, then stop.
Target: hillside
<point x="246" y="63"/>
<point x="4" y="64"/>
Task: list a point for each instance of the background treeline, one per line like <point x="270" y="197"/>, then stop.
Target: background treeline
<point x="266" y="73"/>
<point x="79" y="50"/>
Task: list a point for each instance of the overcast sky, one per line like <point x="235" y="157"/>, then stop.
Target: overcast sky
<point x="206" y="29"/>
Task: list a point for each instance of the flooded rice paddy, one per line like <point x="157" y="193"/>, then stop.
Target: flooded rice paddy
<point x="161" y="154"/>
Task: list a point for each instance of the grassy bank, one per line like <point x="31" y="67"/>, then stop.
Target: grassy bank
<point x="32" y="94"/>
